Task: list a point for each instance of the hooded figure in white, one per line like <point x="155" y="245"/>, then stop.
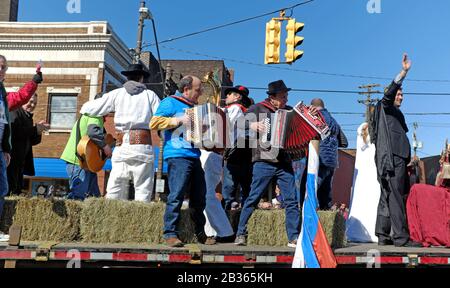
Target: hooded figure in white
<point x="366" y="191"/>
<point x="134" y="106"/>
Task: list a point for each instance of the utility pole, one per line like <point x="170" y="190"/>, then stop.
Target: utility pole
<point x="160" y="182"/>
<point x="144" y="14"/>
<point x="369" y="102"/>
<point x="416" y="144"/>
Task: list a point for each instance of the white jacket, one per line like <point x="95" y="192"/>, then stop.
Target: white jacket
<point x="134" y="106"/>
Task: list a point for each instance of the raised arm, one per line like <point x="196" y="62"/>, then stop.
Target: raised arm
<point x="21" y="97"/>
<point x="391" y="91"/>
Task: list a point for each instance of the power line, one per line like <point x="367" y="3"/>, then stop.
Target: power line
<point x="410" y="114"/>
<point x="426" y="154"/>
<point x="307" y="71"/>
<point x="428" y="113"/>
<point x="265" y="88"/>
<point x="429" y="123"/>
<point x="229" y="24"/>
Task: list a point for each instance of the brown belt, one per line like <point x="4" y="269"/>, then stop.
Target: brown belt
<point x="136" y="137"/>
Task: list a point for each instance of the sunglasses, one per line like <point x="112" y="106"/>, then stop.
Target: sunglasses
<point x="3" y="68"/>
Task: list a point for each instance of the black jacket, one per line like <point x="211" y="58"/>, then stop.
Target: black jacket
<point x="396" y="123"/>
<point x="388" y="132"/>
<point x="24" y="136"/>
<point x="265" y="154"/>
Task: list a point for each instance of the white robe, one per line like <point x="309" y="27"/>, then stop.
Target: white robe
<point x="217" y="222"/>
<point x="365" y="195"/>
<point x="134" y="162"/>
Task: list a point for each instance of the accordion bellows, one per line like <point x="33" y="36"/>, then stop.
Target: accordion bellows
<point x="208" y="127"/>
<point x="292" y="130"/>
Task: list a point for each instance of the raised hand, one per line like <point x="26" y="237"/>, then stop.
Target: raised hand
<point x="42" y="126"/>
<point x="37" y="78"/>
<point x="406" y="63"/>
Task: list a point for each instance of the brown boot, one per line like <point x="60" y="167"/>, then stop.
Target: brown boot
<point x="174" y="242"/>
<point x="210" y="241"/>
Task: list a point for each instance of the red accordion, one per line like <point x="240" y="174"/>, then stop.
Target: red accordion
<point x="292" y="130"/>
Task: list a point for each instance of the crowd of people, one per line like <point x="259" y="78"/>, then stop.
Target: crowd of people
<point x="245" y="173"/>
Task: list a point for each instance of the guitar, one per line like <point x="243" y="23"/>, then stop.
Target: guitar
<point x="92" y="157"/>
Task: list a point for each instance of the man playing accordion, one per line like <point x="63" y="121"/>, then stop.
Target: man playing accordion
<point x="270" y="164"/>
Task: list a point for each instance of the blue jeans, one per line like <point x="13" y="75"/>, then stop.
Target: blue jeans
<point x="263" y="174"/>
<point x="82" y="183"/>
<point x="233" y="177"/>
<point x="324" y="185"/>
<point x="300" y="174"/>
<point x="186" y="175"/>
<point x="3" y="182"/>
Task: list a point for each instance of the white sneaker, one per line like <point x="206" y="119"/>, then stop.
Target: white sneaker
<point x="292" y="244"/>
<point x="4" y="237"/>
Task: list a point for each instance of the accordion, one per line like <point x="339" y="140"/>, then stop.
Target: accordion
<point x="292" y="130"/>
<point x="207" y="127"/>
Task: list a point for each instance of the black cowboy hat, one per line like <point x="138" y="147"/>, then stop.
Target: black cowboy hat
<point x="136" y="69"/>
<point x="277" y="86"/>
<point x="243" y="91"/>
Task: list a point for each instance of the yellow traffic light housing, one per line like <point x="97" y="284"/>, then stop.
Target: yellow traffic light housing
<point x="292" y="41"/>
<point x="272" y="54"/>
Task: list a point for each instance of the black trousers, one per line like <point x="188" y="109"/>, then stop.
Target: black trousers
<point x="15" y="177"/>
<point x="324" y="184"/>
<point x="392" y="205"/>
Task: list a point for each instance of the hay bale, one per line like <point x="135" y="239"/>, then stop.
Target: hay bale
<point x="113" y="221"/>
<point x="267" y="228"/>
<point x="333" y="224"/>
<point x="44" y="220"/>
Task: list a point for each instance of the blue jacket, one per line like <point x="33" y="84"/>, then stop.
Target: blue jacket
<point x="328" y="152"/>
<point x="175" y="146"/>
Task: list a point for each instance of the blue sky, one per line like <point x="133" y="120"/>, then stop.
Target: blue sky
<point x="340" y="37"/>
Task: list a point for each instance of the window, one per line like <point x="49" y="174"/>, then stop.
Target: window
<point x="63" y="111"/>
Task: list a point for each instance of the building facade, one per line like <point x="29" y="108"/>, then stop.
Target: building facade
<point x="79" y="61"/>
<point x="9" y="10"/>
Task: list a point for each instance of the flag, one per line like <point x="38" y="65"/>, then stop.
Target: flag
<point x="313" y="249"/>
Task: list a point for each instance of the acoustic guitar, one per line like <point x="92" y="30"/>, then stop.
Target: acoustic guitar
<point x="92" y="157"/>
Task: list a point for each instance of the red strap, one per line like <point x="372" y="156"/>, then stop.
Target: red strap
<point x="184" y="100"/>
<point x="268" y="106"/>
<point x="243" y="109"/>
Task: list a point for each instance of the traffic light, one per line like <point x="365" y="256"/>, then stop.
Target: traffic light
<point x="272" y="54"/>
<point x="293" y="41"/>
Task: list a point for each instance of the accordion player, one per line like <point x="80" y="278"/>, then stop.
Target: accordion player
<point x="208" y="127"/>
<point x="292" y="130"/>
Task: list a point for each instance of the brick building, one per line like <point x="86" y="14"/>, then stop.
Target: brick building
<point x="79" y="61"/>
<point x="215" y="75"/>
